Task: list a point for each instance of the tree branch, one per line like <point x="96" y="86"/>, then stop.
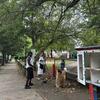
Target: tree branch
<point x="89" y="6"/>
<point x="62" y="15"/>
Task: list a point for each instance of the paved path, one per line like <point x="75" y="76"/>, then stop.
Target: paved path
<point x="12" y="85"/>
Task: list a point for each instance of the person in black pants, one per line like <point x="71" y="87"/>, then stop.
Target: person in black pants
<point x="29" y="70"/>
<point x="62" y="64"/>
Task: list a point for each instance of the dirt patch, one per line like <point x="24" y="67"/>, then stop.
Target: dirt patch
<point x="72" y="91"/>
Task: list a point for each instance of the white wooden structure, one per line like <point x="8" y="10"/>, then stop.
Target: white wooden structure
<point x="88" y="65"/>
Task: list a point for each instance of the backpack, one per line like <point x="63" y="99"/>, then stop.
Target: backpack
<point x="41" y="66"/>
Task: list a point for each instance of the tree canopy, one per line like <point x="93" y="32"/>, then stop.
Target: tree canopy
<point x="59" y="24"/>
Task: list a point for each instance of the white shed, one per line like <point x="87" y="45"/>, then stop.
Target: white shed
<point x="88" y="65"/>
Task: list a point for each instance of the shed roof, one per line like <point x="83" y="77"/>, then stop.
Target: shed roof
<point x="88" y="47"/>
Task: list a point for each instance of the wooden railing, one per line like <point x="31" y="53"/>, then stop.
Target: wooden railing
<point x="21" y="66"/>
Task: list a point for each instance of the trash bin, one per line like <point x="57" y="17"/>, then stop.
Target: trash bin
<point x="96" y="90"/>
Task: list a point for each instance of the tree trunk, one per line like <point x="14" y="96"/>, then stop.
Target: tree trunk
<point x="3" y="58"/>
<point x="51" y="54"/>
<point x="7" y="58"/>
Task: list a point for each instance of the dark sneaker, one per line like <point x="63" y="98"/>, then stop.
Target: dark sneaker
<point x="44" y="81"/>
<point x="31" y="84"/>
<point x="27" y="87"/>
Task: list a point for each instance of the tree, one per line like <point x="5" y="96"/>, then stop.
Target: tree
<point x="12" y="38"/>
<point x="41" y="18"/>
<point x="90" y="28"/>
<point x="48" y="22"/>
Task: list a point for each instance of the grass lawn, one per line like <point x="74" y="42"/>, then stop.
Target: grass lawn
<point x="50" y="62"/>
